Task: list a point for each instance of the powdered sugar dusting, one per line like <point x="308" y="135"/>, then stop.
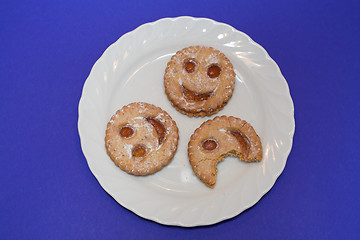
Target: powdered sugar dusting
<point x="128" y="148"/>
<point x="146" y="135"/>
<point x="198" y="83"/>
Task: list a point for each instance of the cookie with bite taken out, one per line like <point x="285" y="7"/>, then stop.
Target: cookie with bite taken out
<point x="218" y="138"/>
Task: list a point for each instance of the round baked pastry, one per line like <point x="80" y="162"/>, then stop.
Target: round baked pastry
<point x="199" y="81"/>
<point x="215" y="139"/>
<point x="141" y="138"/>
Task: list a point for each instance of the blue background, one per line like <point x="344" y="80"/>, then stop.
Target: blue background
<point x="47" y="50"/>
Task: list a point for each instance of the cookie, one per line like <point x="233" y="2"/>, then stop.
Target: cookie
<point x="218" y="138"/>
<point x="199" y="81"/>
<point x="141" y="138"/>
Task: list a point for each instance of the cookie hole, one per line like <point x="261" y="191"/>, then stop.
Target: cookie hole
<point x="139" y="151"/>
<point x="159" y="128"/>
<point x="213" y="71"/>
<point x="190" y="65"/>
<point x="126" y="131"/>
<point x="244" y="142"/>
<point x="193" y="96"/>
<point x="209" y="144"/>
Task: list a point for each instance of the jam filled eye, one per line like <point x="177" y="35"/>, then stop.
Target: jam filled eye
<point x="190" y="65"/>
<point x="209" y="144"/>
<point x="139" y="151"/>
<point x="126" y="131"/>
<point x="213" y="71"/>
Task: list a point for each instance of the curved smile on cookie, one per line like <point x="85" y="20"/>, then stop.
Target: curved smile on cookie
<point x="243" y="140"/>
<point x="159" y="128"/>
<point x="194" y="96"/>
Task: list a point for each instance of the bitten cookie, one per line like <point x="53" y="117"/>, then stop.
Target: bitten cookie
<point x="199" y="81"/>
<point x="215" y="139"/>
<point x="141" y="138"/>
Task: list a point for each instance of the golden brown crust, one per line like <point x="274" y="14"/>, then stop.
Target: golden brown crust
<point x="148" y="123"/>
<point x="207" y="95"/>
<point x="234" y="137"/>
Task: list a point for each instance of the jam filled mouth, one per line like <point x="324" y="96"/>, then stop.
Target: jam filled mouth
<point x="193" y="96"/>
<point x="159" y="128"/>
<point x="243" y="141"/>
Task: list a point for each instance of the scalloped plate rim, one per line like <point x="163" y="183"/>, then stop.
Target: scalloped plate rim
<point x="179" y="223"/>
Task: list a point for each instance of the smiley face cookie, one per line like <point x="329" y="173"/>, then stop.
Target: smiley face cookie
<point x="141" y="138"/>
<point x="215" y="139"/>
<point x="199" y="81"/>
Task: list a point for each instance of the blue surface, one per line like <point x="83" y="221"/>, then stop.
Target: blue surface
<point x="47" y="50"/>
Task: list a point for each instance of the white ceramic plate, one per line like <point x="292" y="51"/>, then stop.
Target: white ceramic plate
<point x="132" y="70"/>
